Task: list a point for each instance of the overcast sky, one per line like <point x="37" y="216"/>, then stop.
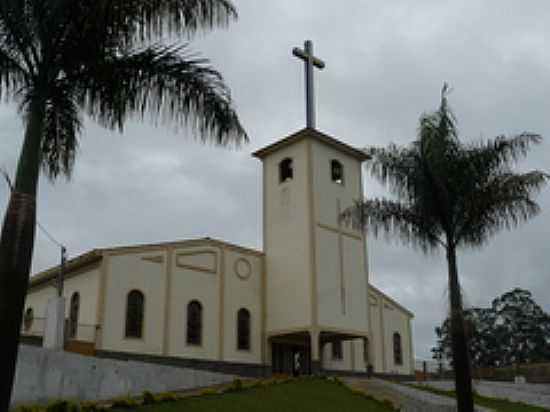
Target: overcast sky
<point x="385" y="65"/>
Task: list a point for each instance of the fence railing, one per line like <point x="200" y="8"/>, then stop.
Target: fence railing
<point x="85" y="332"/>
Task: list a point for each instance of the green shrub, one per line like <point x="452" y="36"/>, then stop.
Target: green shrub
<point x="208" y="392"/>
<point x="90" y="406"/>
<point x="63" y="406"/>
<point x="236" y="386"/>
<point x="28" y="408"/>
<point x="167" y="397"/>
<point x="389" y="404"/>
<point x="149" y="398"/>
<point x="124" y="403"/>
<point x="257" y="384"/>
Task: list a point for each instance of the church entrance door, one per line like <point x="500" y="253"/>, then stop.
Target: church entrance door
<point x="290" y="358"/>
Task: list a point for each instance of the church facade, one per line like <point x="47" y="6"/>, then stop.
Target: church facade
<point x="303" y="304"/>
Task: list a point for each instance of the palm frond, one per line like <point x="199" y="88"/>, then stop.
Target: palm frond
<point x="503" y="203"/>
<point x="62" y="127"/>
<point x="393" y="166"/>
<point x="13" y="77"/>
<point x="394" y="218"/>
<point x="147" y="20"/>
<point x="165" y="83"/>
<point x="499" y="153"/>
<point x="17" y="32"/>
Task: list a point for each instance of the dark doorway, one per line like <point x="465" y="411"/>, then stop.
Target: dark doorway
<point x="290" y="359"/>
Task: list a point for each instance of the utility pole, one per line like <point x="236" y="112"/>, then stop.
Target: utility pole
<point x="61" y="273"/>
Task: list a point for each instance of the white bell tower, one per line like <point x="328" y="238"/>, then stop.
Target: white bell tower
<point x="316" y="270"/>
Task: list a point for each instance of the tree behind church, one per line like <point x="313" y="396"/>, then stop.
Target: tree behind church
<point x="513" y="330"/>
<point x="104" y="58"/>
<point x="450" y="195"/>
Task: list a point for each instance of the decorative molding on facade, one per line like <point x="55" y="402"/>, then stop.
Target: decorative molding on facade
<point x="212" y="267"/>
<point x="242" y="268"/>
<point x="154" y="259"/>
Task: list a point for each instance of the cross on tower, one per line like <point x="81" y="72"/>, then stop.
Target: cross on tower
<point x="310" y="60"/>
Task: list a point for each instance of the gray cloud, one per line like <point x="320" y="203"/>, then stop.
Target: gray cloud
<point x="386" y="62"/>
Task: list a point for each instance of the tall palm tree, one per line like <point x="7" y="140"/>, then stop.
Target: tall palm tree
<point x="450" y="195"/>
<point x="60" y="59"/>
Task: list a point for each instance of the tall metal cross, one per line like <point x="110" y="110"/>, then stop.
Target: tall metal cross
<point x="310" y="60"/>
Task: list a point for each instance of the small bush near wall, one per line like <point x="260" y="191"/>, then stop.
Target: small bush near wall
<point x="28" y="408"/>
<point x="124" y="403"/>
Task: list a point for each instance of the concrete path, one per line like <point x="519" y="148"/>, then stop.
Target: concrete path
<point x="530" y="393"/>
<point x="407" y="399"/>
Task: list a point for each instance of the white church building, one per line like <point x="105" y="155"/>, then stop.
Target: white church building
<point x="304" y="301"/>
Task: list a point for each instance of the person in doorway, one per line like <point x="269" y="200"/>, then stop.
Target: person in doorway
<point x="297" y="366"/>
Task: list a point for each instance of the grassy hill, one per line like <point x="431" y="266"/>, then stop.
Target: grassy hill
<point x="304" y="395"/>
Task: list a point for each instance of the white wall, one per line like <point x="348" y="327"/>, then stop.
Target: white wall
<point x="345" y="268"/>
<point x="242" y="292"/>
<point x="124" y="273"/>
<point x="388" y="318"/>
<point x="201" y="284"/>
<point x="86" y="283"/>
<point x="43" y="375"/>
<point x="352" y="357"/>
<point x="287" y="241"/>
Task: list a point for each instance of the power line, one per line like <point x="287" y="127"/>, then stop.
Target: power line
<point x="42" y="228"/>
<point x="52" y="239"/>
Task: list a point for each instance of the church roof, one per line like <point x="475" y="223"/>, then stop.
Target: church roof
<point x="377" y="291"/>
<point x="96" y="255"/>
<point x="312" y="134"/>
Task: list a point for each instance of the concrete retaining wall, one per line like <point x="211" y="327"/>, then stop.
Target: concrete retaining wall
<point x="44" y="375"/>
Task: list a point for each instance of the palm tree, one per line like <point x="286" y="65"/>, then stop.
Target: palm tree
<point x="450" y="195"/>
<point x="60" y="59"/>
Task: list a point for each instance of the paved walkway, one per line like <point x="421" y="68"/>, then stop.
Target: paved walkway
<point x="531" y="393"/>
<point x="407" y="399"/>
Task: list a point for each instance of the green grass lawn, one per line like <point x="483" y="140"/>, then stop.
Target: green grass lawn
<point x="498" y="405"/>
<point x="304" y="395"/>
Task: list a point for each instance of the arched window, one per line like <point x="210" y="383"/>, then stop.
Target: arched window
<point x="73" y="315"/>
<point x="135" y="309"/>
<point x="28" y="319"/>
<point x="337" y="352"/>
<point x="194" y="323"/>
<point x="243" y="329"/>
<point x="286" y="172"/>
<point x="397" y="351"/>
<point x="337" y="172"/>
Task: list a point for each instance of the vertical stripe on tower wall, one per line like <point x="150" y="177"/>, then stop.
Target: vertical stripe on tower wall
<point x="221" y="334"/>
<point x="313" y="256"/>
<point x="100" y="314"/>
<point x="167" y="300"/>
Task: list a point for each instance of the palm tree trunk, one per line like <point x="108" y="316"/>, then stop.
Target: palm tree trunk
<point x="16" y="247"/>
<point x="461" y="358"/>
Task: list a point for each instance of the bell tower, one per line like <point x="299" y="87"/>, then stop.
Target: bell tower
<point x="316" y="268"/>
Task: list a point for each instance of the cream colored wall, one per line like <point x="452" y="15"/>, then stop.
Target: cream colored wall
<point x="393" y="319"/>
<point x="87" y="286"/>
<point x="242" y="292"/>
<point x="287" y="241"/>
<point x="37" y="299"/>
<point x="352" y="357"/>
<point x="202" y="284"/>
<point x="376" y="336"/>
<point x="86" y="283"/>
<point x="334" y="271"/>
<point x="124" y="273"/>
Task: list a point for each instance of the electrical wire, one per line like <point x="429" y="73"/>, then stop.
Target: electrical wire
<point x="42" y="228"/>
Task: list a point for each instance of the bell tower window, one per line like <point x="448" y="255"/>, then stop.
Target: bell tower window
<point x="286" y="171"/>
<point x="337" y="172"/>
